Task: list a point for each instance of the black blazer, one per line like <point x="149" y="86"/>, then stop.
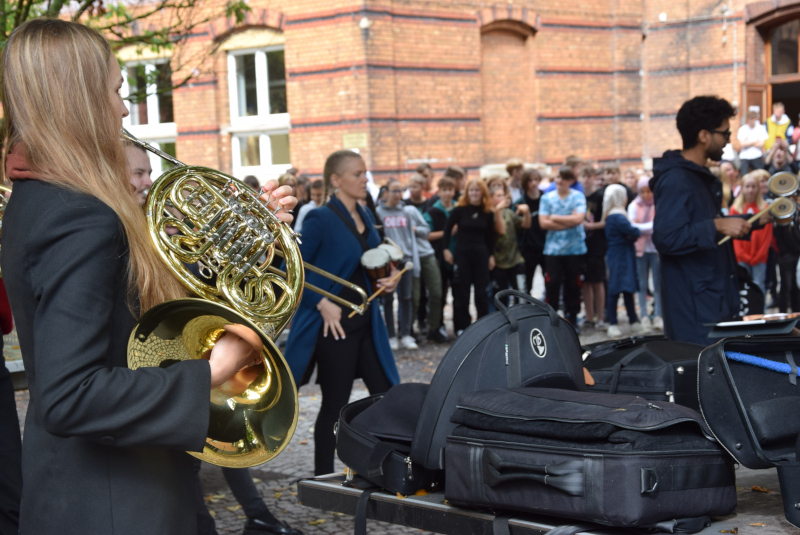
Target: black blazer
<point x="104" y="446"/>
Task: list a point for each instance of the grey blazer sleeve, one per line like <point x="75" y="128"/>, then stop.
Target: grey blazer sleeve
<point x="82" y="389"/>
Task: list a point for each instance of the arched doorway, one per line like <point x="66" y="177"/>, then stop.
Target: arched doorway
<point x="784" y="75"/>
<point x="506" y="83"/>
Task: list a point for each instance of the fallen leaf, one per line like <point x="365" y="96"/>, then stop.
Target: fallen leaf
<point x="212" y="513"/>
<point x="317" y="522"/>
<point x="421" y="492"/>
<point x="400" y="496"/>
<point x="241" y="516"/>
<point x="734" y="530"/>
<point x="758" y="525"/>
<point x="233" y="508"/>
<point x="278" y="495"/>
<point x="314" y="398"/>
<point x="301" y="418"/>
<point x="256" y="480"/>
<point x="757" y="488"/>
<point x="303" y="442"/>
<point x="292" y="494"/>
<point x="429" y="370"/>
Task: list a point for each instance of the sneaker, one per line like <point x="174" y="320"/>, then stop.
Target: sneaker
<point x="587" y="324"/>
<point x="601" y="325"/>
<point x="658" y="323"/>
<point x="614" y="332"/>
<point x="394" y="344"/>
<point x="637" y="328"/>
<point x="646" y="324"/>
<point x="439" y="336"/>
<point x="408" y="342"/>
<point x="254" y="526"/>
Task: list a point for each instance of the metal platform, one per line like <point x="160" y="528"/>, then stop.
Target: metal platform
<point x="431" y="513"/>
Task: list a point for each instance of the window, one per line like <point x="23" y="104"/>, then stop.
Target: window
<point x="259" y="112"/>
<point x="147" y="85"/>
<point x="261" y="154"/>
<point x="784" y="47"/>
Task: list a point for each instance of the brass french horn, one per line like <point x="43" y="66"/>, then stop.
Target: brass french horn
<point x="216" y="235"/>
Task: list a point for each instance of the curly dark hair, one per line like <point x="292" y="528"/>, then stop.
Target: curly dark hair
<point x="701" y="113"/>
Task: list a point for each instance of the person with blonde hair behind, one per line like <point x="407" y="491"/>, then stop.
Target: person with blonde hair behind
<point x="105" y="446"/>
<point x="752" y="254"/>
<point x="621" y="258"/>
<point x="473" y="258"/>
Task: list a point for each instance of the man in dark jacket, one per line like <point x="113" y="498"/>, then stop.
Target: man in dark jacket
<point x="698" y="278"/>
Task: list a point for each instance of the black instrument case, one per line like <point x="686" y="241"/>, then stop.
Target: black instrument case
<point x="750" y="399"/>
<point x="648" y="366"/>
<point x="610" y="459"/>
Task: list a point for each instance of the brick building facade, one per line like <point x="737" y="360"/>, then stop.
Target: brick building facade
<point x="446" y="81"/>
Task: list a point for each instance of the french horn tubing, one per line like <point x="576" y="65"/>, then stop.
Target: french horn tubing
<point x="219" y="239"/>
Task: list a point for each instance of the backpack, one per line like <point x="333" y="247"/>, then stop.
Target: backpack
<point x="396" y="440"/>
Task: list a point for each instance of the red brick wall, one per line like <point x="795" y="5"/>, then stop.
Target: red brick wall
<point x="602" y="79"/>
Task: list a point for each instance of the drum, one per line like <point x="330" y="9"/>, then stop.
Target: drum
<point x="395" y="253"/>
<point x="783" y="184"/>
<point x="377" y="264"/>
<point x="783" y="210"/>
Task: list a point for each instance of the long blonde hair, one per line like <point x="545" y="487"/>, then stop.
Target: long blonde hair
<point x="57" y="110"/>
<point x="738" y="202"/>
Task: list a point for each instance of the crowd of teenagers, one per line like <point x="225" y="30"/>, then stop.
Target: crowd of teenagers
<point x="759" y="151"/>
<point x="586" y="227"/>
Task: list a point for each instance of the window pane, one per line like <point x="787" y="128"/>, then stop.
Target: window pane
<point x="246" y="84"/>
<point x="783" y="43"/>
<point x="276" y="72"/>
<point x="249" y="148"/>
<point x="137" y="84"/>
<point x="280" y="149"/>
<point x="169" y="148"/>
<point x="164" y="87"/>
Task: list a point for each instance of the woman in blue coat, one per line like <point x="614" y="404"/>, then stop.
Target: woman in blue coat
<point x="621" y="258"/>
<point x="343" y="349"/>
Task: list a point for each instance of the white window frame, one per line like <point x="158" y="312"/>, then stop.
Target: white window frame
<point x="152" y="132"/>
<point x="265" y="170"/>
<point x="263" y="125"/>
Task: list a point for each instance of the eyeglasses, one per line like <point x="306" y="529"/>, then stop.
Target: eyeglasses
<point x="726" y="133"/>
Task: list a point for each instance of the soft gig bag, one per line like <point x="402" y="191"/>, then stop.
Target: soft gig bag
<point x="751" y="401"/>
<point x="648" y="366"/>
<point x="526" y="344"/>
<point x="609" y="459"/>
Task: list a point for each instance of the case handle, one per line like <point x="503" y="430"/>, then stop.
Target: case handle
<point x="567" y="477"/>
<point x="532" y="300"/>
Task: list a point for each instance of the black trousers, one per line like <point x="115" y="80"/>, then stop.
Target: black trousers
<point x="339" y="363"/>
<point x="789" y="294"/>
<point x="513" y="277"/>
<point x="240" y="481"/>
<point x="532" y="259"/>
<point x="471" y="269"/>
<point x="564" y="271"/>
<point x="446" y="271"/>
<point x="10" y="453"/>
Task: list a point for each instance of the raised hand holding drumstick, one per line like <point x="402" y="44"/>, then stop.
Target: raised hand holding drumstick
<point x="387" y="284"/>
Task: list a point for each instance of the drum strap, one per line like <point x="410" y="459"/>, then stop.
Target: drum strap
<point x="348" y="222"/>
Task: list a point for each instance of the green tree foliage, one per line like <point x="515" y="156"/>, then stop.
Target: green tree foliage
<point x="157" y="25"/>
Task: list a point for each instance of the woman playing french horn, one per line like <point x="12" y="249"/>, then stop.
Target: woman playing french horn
<point x="104" y="445"/>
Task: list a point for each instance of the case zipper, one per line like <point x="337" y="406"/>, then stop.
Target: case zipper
<point x="409" y="471"/>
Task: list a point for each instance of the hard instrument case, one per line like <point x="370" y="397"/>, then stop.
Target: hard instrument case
<point x="648" y="366"/>
<point x="609" y="459"/>
<point x="525" y="344"/>
<point x="750" y="399"/>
